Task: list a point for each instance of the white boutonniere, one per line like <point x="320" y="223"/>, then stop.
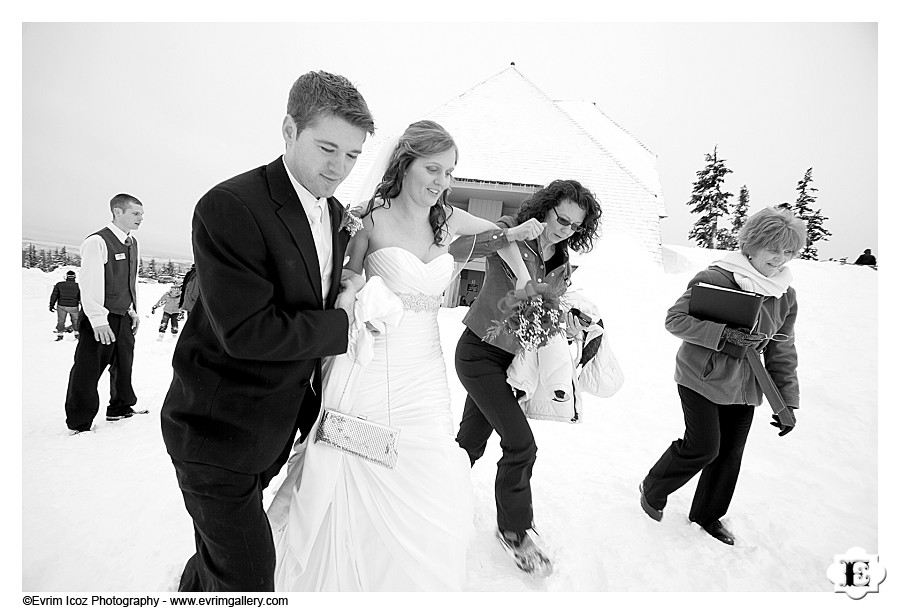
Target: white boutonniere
<point x="350" y="222"/>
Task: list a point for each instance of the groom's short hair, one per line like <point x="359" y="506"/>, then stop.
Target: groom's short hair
<point x="319" y="93"/>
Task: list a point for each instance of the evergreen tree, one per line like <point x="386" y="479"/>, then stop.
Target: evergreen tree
<point x="709" y="200"/>
<point x="740" y="211"/>
<point x="728" y="238"/>
<point x="151" y="269"/>
<point x="30" y="258"/>
<point x="815" y="221"/>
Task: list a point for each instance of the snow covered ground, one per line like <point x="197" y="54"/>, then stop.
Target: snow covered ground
<point x="102" y="511"/>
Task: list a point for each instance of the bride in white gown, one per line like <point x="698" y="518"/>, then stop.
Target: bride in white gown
<point x="344" y="523"/>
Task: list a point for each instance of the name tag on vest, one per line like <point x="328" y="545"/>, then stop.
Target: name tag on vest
<point x="120" y="256"/>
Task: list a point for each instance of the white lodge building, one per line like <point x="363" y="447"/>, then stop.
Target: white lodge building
<point x="513" y="139"/>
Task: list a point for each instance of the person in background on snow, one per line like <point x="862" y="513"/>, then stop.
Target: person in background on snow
<point x="65" y="301"/>
<point x="866" y="259"/>
<point x="718" y="390"/>
<point x="169" y="302"/>
<point x="190" y="290"/>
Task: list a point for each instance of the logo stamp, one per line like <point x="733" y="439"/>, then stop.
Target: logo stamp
<point x="856" y="573"/>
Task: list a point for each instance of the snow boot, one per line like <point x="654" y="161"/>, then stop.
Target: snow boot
<point x="525" y="552"/>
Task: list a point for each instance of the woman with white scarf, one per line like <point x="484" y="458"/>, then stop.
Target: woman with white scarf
<point x="718" y="390"/>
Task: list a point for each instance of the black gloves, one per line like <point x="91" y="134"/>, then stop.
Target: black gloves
<point x="780" y="419"/>
<point x="741" y="337"/>
<point x="52" y="308"/>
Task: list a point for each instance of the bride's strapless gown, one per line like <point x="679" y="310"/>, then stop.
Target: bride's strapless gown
<point x="354" y="525"/>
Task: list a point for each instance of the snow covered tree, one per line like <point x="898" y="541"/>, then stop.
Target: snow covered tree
<point x="710" y="200"/>
<point x="57" y="258"/>
<point x="815" y="221"/>
<point x="30" y="257"/>
<point x="728" y="238"/>
<point x="740" y="211"/>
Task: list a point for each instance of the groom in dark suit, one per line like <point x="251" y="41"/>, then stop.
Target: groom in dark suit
<point x="269" y="249"/>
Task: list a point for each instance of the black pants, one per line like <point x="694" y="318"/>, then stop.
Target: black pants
<point x="91" y="359"/>
<point x="168" y="318"/>
<point x="235" y="551"/>
<point x="714" y="439"/>
<point x="491" y="406"/>
<point x="235" y="548"/>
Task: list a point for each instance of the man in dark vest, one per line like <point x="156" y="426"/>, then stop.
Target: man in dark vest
<point x="108" y="319"/>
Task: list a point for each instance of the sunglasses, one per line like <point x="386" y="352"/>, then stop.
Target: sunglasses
<point x="567" y="222"/>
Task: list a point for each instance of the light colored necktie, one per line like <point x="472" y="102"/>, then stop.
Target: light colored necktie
<point x="315" y="223"/>
<point x="323" y="248"/>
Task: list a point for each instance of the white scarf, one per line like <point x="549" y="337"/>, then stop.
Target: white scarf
<point x="751" y="280"/>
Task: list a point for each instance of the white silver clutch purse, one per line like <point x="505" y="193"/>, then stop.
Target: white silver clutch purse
<point x="370" y="441"/>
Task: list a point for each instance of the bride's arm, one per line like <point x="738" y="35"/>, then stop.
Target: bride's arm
<point x="356" y="254"/>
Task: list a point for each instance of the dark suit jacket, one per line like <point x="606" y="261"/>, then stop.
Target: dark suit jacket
<point x="257" y="334"/>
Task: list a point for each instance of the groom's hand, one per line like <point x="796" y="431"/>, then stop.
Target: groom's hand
<point x="345" y="300"/>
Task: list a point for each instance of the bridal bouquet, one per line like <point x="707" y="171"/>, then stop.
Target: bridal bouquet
<point x="530" y="315"/>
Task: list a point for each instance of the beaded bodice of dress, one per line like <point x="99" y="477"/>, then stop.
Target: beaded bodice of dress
<point x="419" y="285"/>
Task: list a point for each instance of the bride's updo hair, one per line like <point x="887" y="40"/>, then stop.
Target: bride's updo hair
<point x="420" y="139"/>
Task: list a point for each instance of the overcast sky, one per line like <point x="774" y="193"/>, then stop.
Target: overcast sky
<point x="164" y="111"/>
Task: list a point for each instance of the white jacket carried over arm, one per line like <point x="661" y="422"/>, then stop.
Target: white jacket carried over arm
<point x="553" y="377"/>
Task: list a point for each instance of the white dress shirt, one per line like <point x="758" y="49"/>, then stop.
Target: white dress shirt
<point x="92" y="281"/>
<point x="321" y="230"/>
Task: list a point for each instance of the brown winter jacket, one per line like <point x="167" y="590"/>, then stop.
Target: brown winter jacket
<point x="723" y="379"/>
<point x="498" y="279"/>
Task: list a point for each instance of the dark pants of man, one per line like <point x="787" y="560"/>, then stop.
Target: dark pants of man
<point x="235" y="547"/>
<point x="713" y="444"/>
<point x="91" y="359"/>
<point x="491" y="406"/>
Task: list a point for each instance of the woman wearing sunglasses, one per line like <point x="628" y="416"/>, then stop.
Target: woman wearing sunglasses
<point x="568" y="216"/>
<point x="717" y="387"/>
